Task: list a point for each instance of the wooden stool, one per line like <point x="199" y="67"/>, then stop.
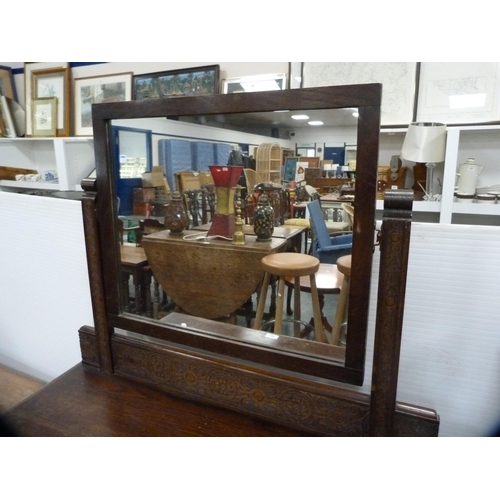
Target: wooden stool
<point x="328" y="281"/>
<point x="344" y="266"/>
<point x="294" y="265"/>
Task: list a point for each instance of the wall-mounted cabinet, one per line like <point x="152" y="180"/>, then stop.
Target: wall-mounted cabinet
<point x="70" y="158"/>
<point x="480" y="142"/>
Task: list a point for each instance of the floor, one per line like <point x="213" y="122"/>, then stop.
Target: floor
<point x="15" y="387"/>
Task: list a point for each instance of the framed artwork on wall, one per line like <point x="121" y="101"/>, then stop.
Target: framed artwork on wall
<point x="29" y="68"/>
<point x="458" y="93"/>
<point x="202" y="80"/>
<point x="7" y="87"/>
<point x="398" y="79"/>
<point x="256" y="83"/>
<point x="54" y="83"/>
<point x="44" y="116"/>
<point x="295" y="70"/>
<point x="96" y="90"/>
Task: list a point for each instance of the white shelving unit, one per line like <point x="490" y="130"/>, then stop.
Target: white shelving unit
<point x="481" y="142"/>
<point x="71" y="157"/>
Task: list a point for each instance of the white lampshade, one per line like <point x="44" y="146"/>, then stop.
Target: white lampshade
<point x="425" y="143"/>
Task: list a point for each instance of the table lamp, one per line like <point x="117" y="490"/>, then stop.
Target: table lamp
<point x="426" y="143"/>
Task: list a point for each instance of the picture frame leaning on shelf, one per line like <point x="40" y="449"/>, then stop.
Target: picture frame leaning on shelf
<point x="55" y="82"/>
<point x="44" y="116"/>
<point x="29" y="68"/>
<point x="7" y="87"/>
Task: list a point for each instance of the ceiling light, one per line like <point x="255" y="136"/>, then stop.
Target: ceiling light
<point x="355" y="114"/>
<point x="315" y="122"/>
<point x="300" y="117"/>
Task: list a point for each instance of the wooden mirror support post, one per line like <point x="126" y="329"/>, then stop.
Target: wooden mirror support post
<point x="394" y="248"/>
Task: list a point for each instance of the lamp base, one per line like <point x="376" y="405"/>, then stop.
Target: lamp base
<point x="420" y="181"/>
<point x="223" y="226"/>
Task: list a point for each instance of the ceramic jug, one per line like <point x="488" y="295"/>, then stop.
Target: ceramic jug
<point x="467" y="175"/>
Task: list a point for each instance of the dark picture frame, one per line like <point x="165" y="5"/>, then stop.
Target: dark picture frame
<point x="7" y="86"/>
<point x="201" y="80"/>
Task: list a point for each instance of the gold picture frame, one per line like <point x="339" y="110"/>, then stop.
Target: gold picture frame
<point x="44" y="116"/>
<point x="29" y="68"/>
<point x="54" y="82"/>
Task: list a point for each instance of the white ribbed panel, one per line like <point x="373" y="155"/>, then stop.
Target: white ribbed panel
<point x="44" y="286"/>
<point x="450" y="354"/>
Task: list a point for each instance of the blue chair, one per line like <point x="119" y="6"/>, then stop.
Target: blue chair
<point x="325" y="247"/>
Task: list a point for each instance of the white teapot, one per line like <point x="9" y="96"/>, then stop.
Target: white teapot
<point x="467" y="175"/>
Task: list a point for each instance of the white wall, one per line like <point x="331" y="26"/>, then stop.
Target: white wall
<point x="44" y="286"/>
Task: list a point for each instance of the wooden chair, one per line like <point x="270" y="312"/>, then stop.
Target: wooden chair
<point x="208" y="204"/>
<point x="349" y="210"/>
<point x="159" y="300"/>
<point x="252" y="178"/>
<point x="193" y="202"/>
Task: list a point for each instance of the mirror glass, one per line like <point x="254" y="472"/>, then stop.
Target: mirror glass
<point x="241" y="282"/>
<point x="214" y="284"/>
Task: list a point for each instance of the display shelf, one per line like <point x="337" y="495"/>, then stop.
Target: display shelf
<point x="418" y="206"/>
<point x="71" y="157"/>
<point x="476" y="208"/>
<point x="30" y="185"/>
<point x="269" y="158"/>
<point x="481" y="142"/>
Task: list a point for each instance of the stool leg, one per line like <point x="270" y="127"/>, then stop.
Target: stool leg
<point x="262" y="302"/>
<point x="278" y="318"/>
<point x="296" y="306"/>
<point x="340" y="311"/>
<point x="318" y="324"/>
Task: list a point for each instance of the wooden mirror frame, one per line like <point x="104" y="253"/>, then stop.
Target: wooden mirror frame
<point x="367" y="98"/>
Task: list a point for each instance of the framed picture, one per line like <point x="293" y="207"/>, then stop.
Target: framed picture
<point x="54" y="83"/>
<point x="7" y="125"/>
<point x="459" y="93"/>
<point x="44" y="116"/>
<point x="257" y="83"/>
<point x="28" y="70"/>
<point x="7" y="87"/>
<point x="202" y="80"/>
<point x="290" y="168"/>
<point x="295" y="70"/>
<point x="312" y="161"/>
<point x="96" y="90"/>
<point x="399" y="80"/>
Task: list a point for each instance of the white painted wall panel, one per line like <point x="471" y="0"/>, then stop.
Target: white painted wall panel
<point x="44" y="288"/>
<point x="450" y="353"/>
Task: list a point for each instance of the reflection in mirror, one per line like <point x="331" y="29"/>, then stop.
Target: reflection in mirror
<point x="217" y="281"/>
<point x="200" y="273"/>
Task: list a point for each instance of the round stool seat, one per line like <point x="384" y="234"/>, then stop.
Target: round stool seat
<point x="344" y="264"/>
<point x="290" y="264"/>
